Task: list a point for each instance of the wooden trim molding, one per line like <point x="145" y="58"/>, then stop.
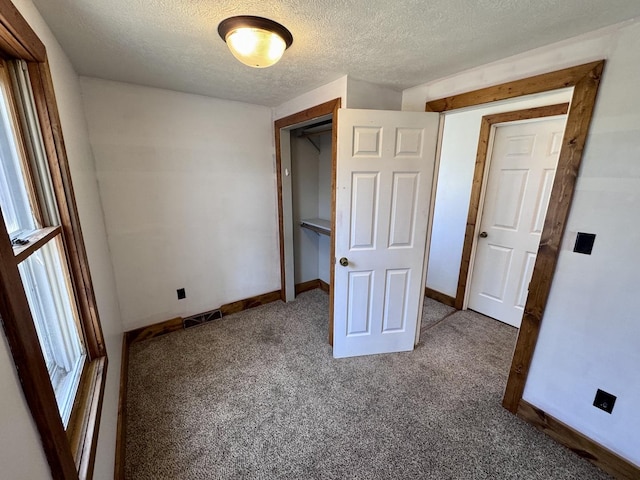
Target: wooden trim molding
<point x="17" y="39"/>
<point x="478" y="177"/>
<point x="324" y="286"/>
<point x="585" y="80"/>
<point x="327" y="108"/>
<point x="312" y="285"/>
<point x="51" y="127"/>
<point x="34" y="377"/>
<point x="569" y="77"/>
<point x="82" y="431"/>
<point x="121" y="429"/>
<point x="174" y="324"/>
<point x="307" y="286"/>
<point x="575" y="137"/>
<point x="152" y="331"/>
<point x="440" y="297"/>
<point x="584" y="447"/>
<point x="251" y="302"/>
<point x="321" y="110"/>
<point x="36" y="240"/>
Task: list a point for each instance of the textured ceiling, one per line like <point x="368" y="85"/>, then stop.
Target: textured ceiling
<point x="174" y="44"/>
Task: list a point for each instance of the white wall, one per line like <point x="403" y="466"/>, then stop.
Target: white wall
<point x="21" y="454"/>
<point x="325" y="93"/>
<point x="188" y="188"/>
<point x="361" y="94"/>
<point x="582" y="49"/>
<point x="354" y="94"/>
<point x="589" y="335"/>
<point x="455" y="178"/>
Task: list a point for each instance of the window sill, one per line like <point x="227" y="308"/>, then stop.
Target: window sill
<point x="82" y="431"/>
<point x="36" y="239"/>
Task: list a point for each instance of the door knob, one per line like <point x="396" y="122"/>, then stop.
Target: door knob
<point x="484" y="234"/>
<point x="344" y="261"/>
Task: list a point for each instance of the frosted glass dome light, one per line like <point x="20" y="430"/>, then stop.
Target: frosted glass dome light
<point x="255" y="41"/>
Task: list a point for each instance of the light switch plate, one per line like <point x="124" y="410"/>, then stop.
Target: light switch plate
<point x="584" y="243"/>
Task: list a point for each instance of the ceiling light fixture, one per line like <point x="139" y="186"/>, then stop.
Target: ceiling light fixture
<point x="255" y="41"/>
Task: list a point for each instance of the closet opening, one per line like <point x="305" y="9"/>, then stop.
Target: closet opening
<point x="305" y="167"/>
<point x="311" y="152"/>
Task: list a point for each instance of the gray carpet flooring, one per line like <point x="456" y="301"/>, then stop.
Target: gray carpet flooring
<point x="257" y="395"/>
<point x="433" y="312"/>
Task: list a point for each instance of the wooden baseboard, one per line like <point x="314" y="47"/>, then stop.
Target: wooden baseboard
<point x="312" y="285"/>
<point x="440" y="297"/>
<point x="250" y="302"/>
<point x="324" y="286"/>
<point x="578" y="443"/>
<point x="122" y="409"/>
<point x="156" y="330"/>
<point x="168" y="326"/>
<point x="306" y="286"/>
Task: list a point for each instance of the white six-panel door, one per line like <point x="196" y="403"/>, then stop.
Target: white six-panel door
<point x="384" y="176"/>
<point x="521" y="172"/>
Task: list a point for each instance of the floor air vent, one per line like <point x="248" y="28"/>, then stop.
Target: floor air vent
<point x="201" y="318"/>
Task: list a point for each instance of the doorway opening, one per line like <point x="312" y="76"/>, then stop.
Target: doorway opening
<point x="516" y="162"/>
<point x="585" y="80"/>
<point x="460" y="180"/>
<point x="305" y="171"/>
<point x="379" y="200"/>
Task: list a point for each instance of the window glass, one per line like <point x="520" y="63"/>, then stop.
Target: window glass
<point x="48" y="293"/>
<point x="16" y="208"/>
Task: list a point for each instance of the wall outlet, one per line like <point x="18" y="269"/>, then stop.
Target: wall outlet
<point x="604" y="401"/>
<point x="181" y="293"/>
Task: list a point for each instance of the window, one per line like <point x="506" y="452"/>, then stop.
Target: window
<point x="50" y="301"/>
<point x="42" y="264"/>
<point x="47" y="305"/>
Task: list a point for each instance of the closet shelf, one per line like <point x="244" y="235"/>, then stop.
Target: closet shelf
<point x="318" y="225"/>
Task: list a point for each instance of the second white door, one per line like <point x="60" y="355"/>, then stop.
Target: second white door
<point x="521" y="172"/>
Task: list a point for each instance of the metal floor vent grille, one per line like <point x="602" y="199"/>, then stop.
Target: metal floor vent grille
<point x="201" y="318"/>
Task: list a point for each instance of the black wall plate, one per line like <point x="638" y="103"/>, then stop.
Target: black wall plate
<point x="584" y="243"/>
<point x="604" y="401"/>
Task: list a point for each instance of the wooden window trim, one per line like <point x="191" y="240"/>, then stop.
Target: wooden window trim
<point x="36" y="240"/>
<point x="17" y="39"/>
<point x="70" y="453"/>
<point x="46" y="106"/>
<point x="585" y="80"/>
<point x="33" y="375"/>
